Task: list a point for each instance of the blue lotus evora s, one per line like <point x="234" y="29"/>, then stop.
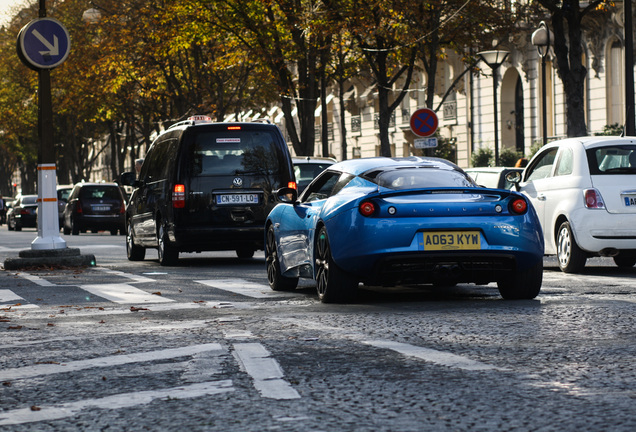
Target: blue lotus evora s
<point x="402" y="221"/>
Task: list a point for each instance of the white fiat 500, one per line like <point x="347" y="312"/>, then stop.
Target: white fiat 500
<point x="584" y="191"/>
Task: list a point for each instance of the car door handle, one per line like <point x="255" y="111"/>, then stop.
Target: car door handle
<point x="541" y="197"/>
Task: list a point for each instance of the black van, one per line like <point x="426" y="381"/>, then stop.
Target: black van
<point x="206" y="186"/>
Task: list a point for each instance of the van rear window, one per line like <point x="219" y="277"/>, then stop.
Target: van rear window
<point x="234" y="152"/>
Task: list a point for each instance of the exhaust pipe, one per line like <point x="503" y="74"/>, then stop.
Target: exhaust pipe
<point x="609" y="252"/>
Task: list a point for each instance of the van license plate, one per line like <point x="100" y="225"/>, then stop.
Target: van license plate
<point x="449" y="240"/>
<point x="629" y="200"/>
<point x="230" y="199"/>
<point x="101" y="208"/>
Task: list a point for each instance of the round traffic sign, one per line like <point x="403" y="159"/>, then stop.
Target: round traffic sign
<point x="43" y="43"/>
<point x="424" y="122"/>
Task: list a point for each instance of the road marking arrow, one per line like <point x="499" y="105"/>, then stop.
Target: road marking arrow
<point x="53" y="50"/>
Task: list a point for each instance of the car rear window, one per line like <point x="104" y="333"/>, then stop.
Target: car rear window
<point x="619" y="159"/>
<point x="234" y="152"/>
<point x="29" y="200"/>
<point x="409" y="178"/>
<point x="99" y="192"/>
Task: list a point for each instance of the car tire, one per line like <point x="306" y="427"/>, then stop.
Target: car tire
<point x="75" y="229"/>
<point x="570" y="256"/>
<point x="332" y="283"/>
<point x="168" y="254"/>
<point x="9" y="225"/>
<point x="277" y="281"/>
<point x="625" y="260"/>
<point x="17" y="227"/>
<point x="133" y="251"/>
<point x="245" y="253"/>
<point x="523" y="285"/>
<point x="66" y="230"/>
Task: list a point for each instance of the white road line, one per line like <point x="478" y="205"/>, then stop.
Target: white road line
<point x="243" y="287"/>
<point x="443" y="358"/>
<point x="37" y="280"/>
<point x="588" y="280"/>
<point x="133" y="277"/>
<point x="7" y="296"/>
<point x="433" y="356"/>
<point x="123" y="400"/>
<point x="265" y="371"/>
<point x="100" y="362"/>
<point x="123" y="293"/>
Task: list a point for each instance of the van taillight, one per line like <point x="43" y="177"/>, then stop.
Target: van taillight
<point x="178" y="196"/>
<point x="78" y="206"/>
<point x="122" y="209"/>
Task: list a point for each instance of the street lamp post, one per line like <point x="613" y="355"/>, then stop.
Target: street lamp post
<point x="494" y="59"/>
<point x="541" y="39"/>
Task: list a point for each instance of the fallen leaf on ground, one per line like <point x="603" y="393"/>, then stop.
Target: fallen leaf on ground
<point x="135" y="309"/>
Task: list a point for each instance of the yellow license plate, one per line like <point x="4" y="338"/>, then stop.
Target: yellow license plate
<point x="449" y="240"/>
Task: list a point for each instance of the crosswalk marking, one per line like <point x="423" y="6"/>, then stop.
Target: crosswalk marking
<point x="123" y="293"/>
<point x="7" y="296"/>
<point x="123" y="400"/>
<point x="243" y="287"/>
<point x="101" y="362"/>
<point x="265" y="371"/>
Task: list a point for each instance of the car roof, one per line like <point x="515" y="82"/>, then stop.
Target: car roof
<point x="312" y="159"/>
<point x="594" y="141"/>
<point x="96" y="184"/>
<point x="360" y="166"/>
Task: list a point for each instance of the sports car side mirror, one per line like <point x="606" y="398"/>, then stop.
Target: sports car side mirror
<point x="287" y="195"/>
<point x="514" y="177"/>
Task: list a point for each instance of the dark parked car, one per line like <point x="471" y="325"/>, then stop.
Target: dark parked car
<point x="95" y="207"/>
<point x="23" y="213"/>
<point x="307" y="168"/>
<point x="63" y="193"/>
<point x="206" y="186"/>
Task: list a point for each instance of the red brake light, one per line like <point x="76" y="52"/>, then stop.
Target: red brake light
<point x="519" y="206"/>
<point x="367" y="208"/>
<point x="292" y="185"/>
<point x="233" y="128"/>
<point x="78" y="206"/>
<point x="593" y="199"/>
<point x="178" y="196"/>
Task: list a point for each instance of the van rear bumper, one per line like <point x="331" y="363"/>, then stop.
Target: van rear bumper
<point x="199" y="239"/>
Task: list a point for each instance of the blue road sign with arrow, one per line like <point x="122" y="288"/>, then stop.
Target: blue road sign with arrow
<point x="43" y="43"/>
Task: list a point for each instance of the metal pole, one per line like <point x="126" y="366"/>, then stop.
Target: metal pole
<point x="630" y="127"/>
<point x="544" y="102"/>
<point x="494" y="103"/>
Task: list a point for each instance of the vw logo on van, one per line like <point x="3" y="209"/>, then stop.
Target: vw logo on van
<point x="238" y="182"/>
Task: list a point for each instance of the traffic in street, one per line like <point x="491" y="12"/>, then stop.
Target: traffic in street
<point x="207" y="345"/>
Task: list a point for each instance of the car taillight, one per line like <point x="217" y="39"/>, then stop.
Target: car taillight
<point x="292" y="185"/>
<point x="122" y="209"/>
<point x="367" y="208"/>
<point x="178" y="196"/>
<point x="78" y="207"/>
<point x="593" y="199"/>
<point x="518" y="206"/>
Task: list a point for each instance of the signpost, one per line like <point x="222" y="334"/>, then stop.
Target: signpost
<point x="424" y="122"/>
<point x="42" y="45"/>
